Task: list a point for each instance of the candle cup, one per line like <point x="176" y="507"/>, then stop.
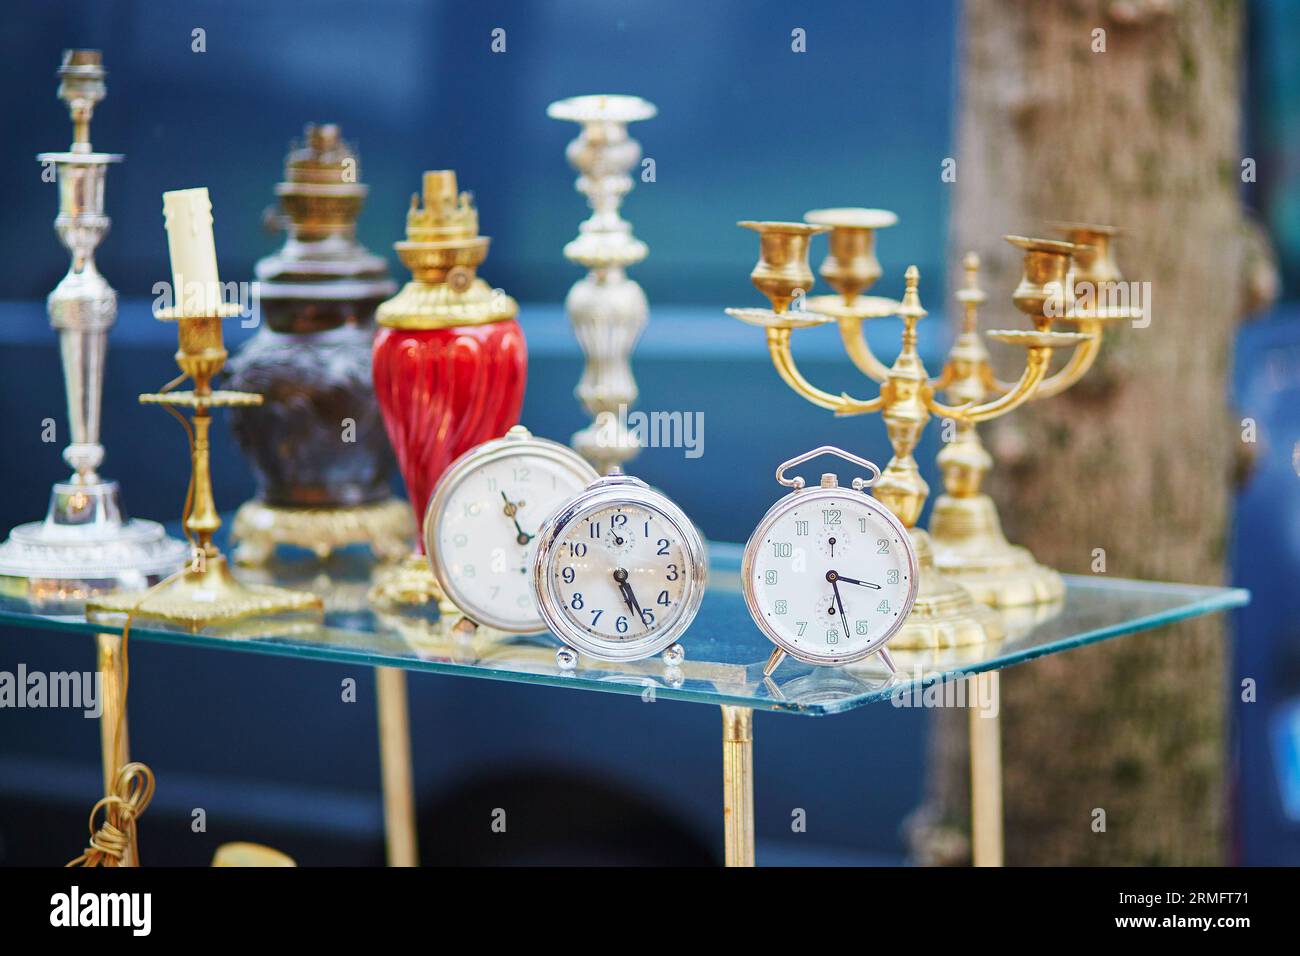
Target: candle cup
<point x="851" y="269"/>
<point x="1046" y="287"/>
<point x="851" y="266"/>
<point x="782" y="271"/>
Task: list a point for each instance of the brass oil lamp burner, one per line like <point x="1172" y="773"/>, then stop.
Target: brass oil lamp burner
<point x="945" y="614"/>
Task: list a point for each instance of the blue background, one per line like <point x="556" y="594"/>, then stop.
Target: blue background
<point x="746" y="130"/>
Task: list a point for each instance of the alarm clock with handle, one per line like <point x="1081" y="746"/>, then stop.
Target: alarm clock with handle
<point x="830" y="574"/>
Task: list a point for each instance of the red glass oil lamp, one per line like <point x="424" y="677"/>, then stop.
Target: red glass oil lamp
<point x="450" y="361"/>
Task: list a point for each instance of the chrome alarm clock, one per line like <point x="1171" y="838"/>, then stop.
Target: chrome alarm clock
<point x="481" y="527"/>
<point x="830" y="574"/>
<point x="619" y="573"/>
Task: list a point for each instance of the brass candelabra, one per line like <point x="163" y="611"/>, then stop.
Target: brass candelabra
<point x="1060" y="282"/>
<point x="967" y="532"/>
<point x="945" y="613"/>
<point x="205" y="593"/>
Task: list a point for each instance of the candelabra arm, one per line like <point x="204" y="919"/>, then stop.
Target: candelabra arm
<point x="1081" y="360"/>
<point x="1039" y="357"/>
<point x="778" y="344"/>
<point x="855" y="343"/>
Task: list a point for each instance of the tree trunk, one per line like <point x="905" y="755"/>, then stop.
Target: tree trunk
<point x="1137" y="458"/>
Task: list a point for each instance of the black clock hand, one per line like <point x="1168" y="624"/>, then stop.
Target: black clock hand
<point x="512" y="510"/>
<point x="844" y="621"/>
<point x="865" y="584"/>
<point x="625" y="589"/>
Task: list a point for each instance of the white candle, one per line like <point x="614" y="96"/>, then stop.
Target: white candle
<point x="187" y="214"/>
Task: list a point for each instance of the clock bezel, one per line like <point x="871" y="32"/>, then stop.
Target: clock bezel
<point x="800" y="498"/>
<point x="518" y="441"/>
<point x="607" y="492"/>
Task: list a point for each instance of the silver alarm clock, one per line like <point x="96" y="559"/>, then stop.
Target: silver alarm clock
<point x="619" y="573"/>
<point x="830" y="574"/>
<point x="481" y="527"/>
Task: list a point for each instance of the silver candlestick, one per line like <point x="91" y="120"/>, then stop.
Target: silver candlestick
<point x="608" y="310"/>
<point x="86" y="545"/>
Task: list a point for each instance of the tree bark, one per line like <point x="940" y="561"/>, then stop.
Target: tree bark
<point x="1137" y="458"/>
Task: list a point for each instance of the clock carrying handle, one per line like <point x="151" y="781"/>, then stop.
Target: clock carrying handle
<point x="797" y="482"/>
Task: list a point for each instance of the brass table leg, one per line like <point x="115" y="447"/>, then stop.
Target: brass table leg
<point x="738" y="785"/>
<point x="983" y="699"/>
<point x="109" y="663"/>
<point x="395" y="766"/>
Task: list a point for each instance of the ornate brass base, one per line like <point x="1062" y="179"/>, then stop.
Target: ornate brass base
<point x="970" y="549"/>
<point x="410" y="583"/>
<point x="387" y="527"/>
<point x="945" y="614"/>
<point x="200" y="599"/>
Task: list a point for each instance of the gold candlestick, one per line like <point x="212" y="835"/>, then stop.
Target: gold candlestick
<point x="945" y="614"/>
<point x="1059" y="280"/>
<point x="206" y="593"/>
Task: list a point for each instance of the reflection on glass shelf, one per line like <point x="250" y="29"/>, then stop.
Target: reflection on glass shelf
<point x="725" y="653"/>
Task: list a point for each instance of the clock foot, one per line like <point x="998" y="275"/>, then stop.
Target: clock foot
<point x="773" y="662"/>
<point x="887" y="660"/>
<point x="566" y="658"/>
<point x="674" y="654"/>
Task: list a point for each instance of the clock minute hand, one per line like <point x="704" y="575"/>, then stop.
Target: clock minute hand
<point x="865" y="584"/>
<point x="625" y="589"/>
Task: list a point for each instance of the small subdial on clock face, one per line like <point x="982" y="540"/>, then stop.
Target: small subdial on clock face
<point x="620" y="538"/>
<point x="828" y="612"/>
<point x="833" y="542"/>
<point x="487" y="536"/>
<point x="621" y="572"/>
<point x="831" y="577"/>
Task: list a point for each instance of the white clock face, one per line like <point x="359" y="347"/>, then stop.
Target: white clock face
<point x="831" y="576"/>
<point x="486" y="538"/>
<point x="621" y="573"/>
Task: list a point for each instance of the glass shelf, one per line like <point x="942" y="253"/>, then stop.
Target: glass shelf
<point x="725" y="652"/>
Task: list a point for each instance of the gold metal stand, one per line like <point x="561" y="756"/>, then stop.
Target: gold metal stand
<point x="386" y="527"/>
<point x="395" y="767"/>
<point x="738" y="785"/>
<point x="985" y="768"/>
<point x="109" y="663"/>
